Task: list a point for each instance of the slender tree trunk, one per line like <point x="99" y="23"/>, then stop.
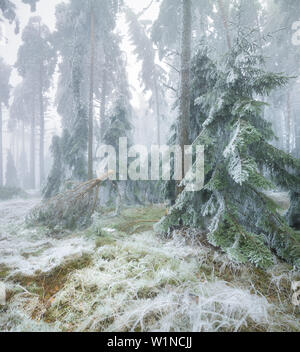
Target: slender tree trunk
<point x="32" y="149"/>
<point x="91" y="100"/>
<point x="288" y="123"/>
<point x="157" y="109"/>
<point x="23" y="157"/>
<point x="225" y="22"/>
<point x="260" y="39"/>
<point x="185" y="98"/>
<point x="1" y="147"/>
<point x="103" y="103"/>
<point x="17" y="145"/>
<point x="23" y="137"/>
<point x="42" y="126"/>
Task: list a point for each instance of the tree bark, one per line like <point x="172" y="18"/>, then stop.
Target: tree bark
<point x="103" y="102"/>
<point x="91" y="99"/>
<point x="185" y="98"/>
<point x="32" y="149"/>
<point x="1" y="147"/>
<point x="157" y="109"/>
<point x="23" y="157"/>
<point x="42" y="126"/>
<point x="225" y="22"/>
<point x="288" y="123"/>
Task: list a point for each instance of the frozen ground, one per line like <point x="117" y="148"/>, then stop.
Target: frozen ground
<point x="14" y="211"/>
<point x="26" y="250"/>
<point x="119" y="276"/>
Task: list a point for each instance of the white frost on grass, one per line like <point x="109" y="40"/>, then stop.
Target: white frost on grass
<point x="133" y="283"/>
<point x="143" y="283"/>
<point x="27" y="250"/>
<point x="17" y="317"/>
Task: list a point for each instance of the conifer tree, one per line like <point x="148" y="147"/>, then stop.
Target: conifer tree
<point x="36" y="63"/>
<point x="232" y="208"/>
<point x="119" y="127"/>
<point x="57" y="174"/>
<point x="21" y="113"/>
<point x="152" y="75"/>
<point x="85" y="27"/>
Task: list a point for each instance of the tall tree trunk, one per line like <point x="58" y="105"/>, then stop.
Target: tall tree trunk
<point x="1" y="147"/>
<point x="157" y="108"/>
<point x="42" y="126"/>
<point x="32" y="149"/>
<point x="91" y="99"/>
<point x="288" y="123"/>
<point x="103" y="103"/>
<point x="185" y="98"/>
<point x="23" y="160"/>
<point x="17" y="145"/>
<point x="225" y="22"/>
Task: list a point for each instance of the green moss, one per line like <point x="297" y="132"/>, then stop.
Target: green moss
<point x="131" y="221"/>
<point x="104" y="241"/>
<point x="4" y="271"/>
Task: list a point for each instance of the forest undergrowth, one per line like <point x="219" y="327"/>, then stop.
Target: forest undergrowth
<point x="120" y="276"/>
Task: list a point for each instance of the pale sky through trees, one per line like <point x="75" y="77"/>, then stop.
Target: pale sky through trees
<point x="46" y="9"/>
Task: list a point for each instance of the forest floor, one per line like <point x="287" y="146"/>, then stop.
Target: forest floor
<point x="120" y="276"/>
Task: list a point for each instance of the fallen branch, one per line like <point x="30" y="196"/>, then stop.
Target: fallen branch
<point x="70" y="209"/>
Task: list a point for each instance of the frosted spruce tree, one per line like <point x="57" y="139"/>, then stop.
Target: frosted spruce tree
<point x="152" y="76"/>
<point x="119" y="127"/>
<point x="232" y="208"/>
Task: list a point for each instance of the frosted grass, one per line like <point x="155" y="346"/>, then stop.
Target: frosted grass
<point x="145" y="284"/>
<point x="27" y="250"/>
<point x="135" y="283"/>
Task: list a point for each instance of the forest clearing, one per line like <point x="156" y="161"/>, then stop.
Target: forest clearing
<point x="149" y="166"/>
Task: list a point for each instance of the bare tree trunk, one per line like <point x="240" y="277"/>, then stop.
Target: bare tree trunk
<point x="32" y="149"/>
<point x="91" y="100"/>
<point x="185" y="99"/>
<point x="157" y="109"/>
<point x="23" y="157"/>
<point x="288" y="123"/>
<point x="1" y="147"/>
<point x="42" y="127"/>
<point x="225" y="22"/>
<point x="103" y="103"/>
<point x="17" y="145"/>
